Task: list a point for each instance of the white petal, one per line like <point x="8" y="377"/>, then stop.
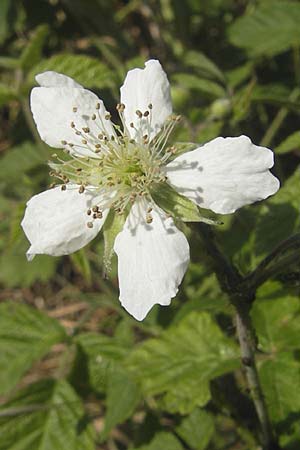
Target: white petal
<point x="54" y="79"/>
<point x="52" y="109"/>
<point x="142" y="87"/>
<point x="224" y="174"/>
<point x="152" y="260"/>
<point x="55" y="221"/>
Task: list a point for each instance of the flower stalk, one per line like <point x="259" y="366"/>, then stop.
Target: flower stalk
<point x="241" y="298"/>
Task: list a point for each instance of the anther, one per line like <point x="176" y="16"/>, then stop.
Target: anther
<point x="78" y="133"/>
<point x="93" y="117"/>
<point x="86" y="129"/>
<point x="98" y="146"/>
<point x="149" y="218"/>
<point x="95" y="208"/>
<point x="99" y="215"/>
<point x="84" y="141"/>
<point x="72" y="125"/>
<point x="90" y="224"/>
<point x="64" y="142"/>
<point x="89" y="212"/>
<point x="100" y="136"/>
<point x="94" y="216"/>
<point x="81" y="189"/>
<point x="79" y="169"/>
<point x="146" y="113"/>
<point x="150" y="106"/>
<point x="75" y="109"/>
<point x="97" y="105"/>
<point x="149" y="209"/>
<point x="139" y="113"/>
<point x="132" y="124"/>
<point x="107" y="116"/>
<point x="63" y="187"/>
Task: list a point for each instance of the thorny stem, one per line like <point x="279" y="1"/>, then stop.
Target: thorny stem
<point x="241" y="298"/>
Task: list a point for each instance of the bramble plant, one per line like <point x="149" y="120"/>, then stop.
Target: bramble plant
<point x="186" y="215"/>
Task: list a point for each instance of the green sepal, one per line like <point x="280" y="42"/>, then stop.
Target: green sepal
<point x="113" y="225"/>
<point x="179" y="206"/>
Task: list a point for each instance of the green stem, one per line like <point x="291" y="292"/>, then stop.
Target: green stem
<point x="231" y="282"/>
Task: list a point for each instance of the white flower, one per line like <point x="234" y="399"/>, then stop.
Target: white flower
<point x="117" y="169"/>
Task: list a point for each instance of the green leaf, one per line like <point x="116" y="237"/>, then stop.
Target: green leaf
<point x="179" y="206"/>
<point x="31" y="54"/>
<point x="17" y="271"/>
<point x="275" y="316"/>
<point x="26" y="335"/>
<point x="189" y="354"/>
<point x="206" y="87"/>
<point x="163" y="441"/>
<point x="205" y="67"/>
<point x="103" y="355"/>
<point x="123" y="396"/>
<point x="47" y="415"/>
<point x="7" y="94"/>
<point x="112" y="227"/>
<point x="85" y="70"/>
<point x="269" y="29"/>
<point x="292" y="142"/>
<point x="280" y="379"/>
<point x="197" y="429"/>
<point x="21" y="158"/>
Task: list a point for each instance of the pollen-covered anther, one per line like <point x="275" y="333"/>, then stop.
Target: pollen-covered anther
<point x="97" y="106"/>
<point x="72" y="124"/>
<point x="63" y="187"/>
<point x="86" y="129"/>
<point x="107" y="116"/>
<point x="150" y="106"/>
<point x="95" y="208"/>
<point x="84" y="141"/>
<point x="146" y="113"/>
<point x="149" y="218"/>
<point x="139" y="113"/>
<point x="75" y="109"/>
<point x="93" y="117"/>
<point x="90" y="224"/>
<point x="81" y="189"/>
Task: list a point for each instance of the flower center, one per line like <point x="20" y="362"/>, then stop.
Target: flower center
<point x="119" y="168"/>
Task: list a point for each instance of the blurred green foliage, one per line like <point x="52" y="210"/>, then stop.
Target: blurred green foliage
<point x="174" y="381"/>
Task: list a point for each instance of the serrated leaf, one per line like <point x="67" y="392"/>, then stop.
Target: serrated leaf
<point x="47" y="415"/>
<point x="276" y="318"/>
<point x="179" y="206"/>
<point x="112" y="227"/>
<point x="85" y="70"/>
<point x="271" y="28"/>
<point x="31" y="54"/>
<point x="123" y="395"/>
<point x="102" y="353"/>
<point x="280" y="379"/>
<point x="197" y="429"/>
<point x="194" y="349"/>
<point x="292" y="142"/>
<point x="162" y="440"/>
<point x="207" y="87"/>
<point x="26" y="335"/>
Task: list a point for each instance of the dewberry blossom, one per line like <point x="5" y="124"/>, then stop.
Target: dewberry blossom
<point x="111" y="172"/>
